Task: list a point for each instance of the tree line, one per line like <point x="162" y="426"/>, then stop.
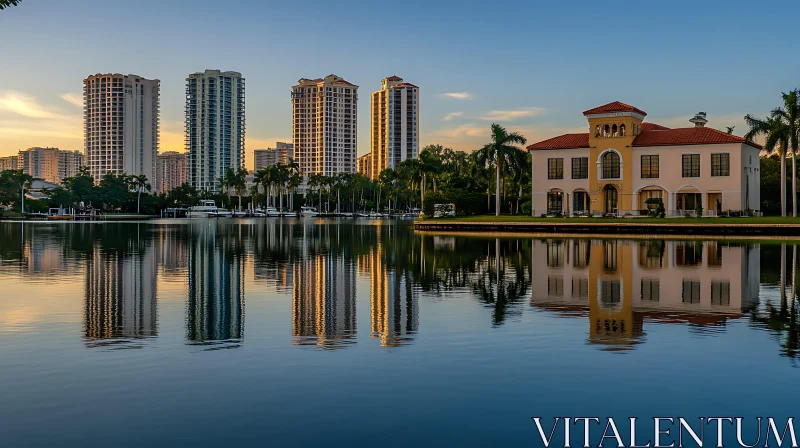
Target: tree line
<point x="493" y="179"/>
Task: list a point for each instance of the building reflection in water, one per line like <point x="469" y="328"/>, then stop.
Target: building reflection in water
<point x="323" y="292"/>
<point x="215" y="303"/>
<point x="394" y="305"/>
<point x="622" y="283"/>
<point x="120" y="292"/>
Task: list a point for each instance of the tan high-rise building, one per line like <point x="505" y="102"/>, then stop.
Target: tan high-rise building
<point x="69" y="163"/>
<point x="40" y="163"/>
<point x="365" y="165"/>
<point x="324" y="120"/>
<point x="395" y="124"/>
<point x="50" y="164"/>
<point x="170" y="171"/>
<point x="8" y="163"/>
<point x="121" y="124"/>
<point x="281" y="153"/>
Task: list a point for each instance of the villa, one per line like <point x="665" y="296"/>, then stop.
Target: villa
<point x="636" y="165"/>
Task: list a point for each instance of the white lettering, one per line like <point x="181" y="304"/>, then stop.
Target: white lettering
<point x="586" y="428"/>
<point x="545" y="440"/>
<point x="684" y="424"/>
<point x="610" y="423"/>
<point x="719" y="427"/>
<point x="739" y="433"/>
<point x="779" y="439"/>
<point x="659" y="432"/>
<point x="566" y="432"/>
<point x="633" y="435"/>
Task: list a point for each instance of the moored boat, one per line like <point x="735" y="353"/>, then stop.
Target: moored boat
<point x="308" y="211"/>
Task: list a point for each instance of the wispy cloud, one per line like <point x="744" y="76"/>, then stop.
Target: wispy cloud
<point x="25" y="122"/>
<point x="73" y="99"/>
<point x="460" y="133"/>
<point x="457" y="95"/>
<point x="21" y="104"/>
<point x="452" y="115"/>
<point x="511" y="115"/>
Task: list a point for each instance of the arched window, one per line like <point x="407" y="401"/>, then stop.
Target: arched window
<point x="597" y="131"/>
<point x="622" y="130"/>
<point x="606" y="131"/>
<point x="610" y="163"/>
<point x="614" y="131"/>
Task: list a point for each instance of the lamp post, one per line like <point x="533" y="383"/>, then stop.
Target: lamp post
<point x="23" y="198"/>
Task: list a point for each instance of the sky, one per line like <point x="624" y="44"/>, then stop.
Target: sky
<point x="532" y="66"/>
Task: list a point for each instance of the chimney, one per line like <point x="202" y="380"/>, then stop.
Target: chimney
<point x="699" y="120"/>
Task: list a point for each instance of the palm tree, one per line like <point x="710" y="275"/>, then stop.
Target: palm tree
<point x="789" y="119"/>
<point x="9" y="3"/>
<point x="261" y="177"/>
<point x="240" y="183"/>
<point x="295" y="180"/>
<point x="778" y="129"/>
<point x="729" y="129"/>
<point x="140" y="182"/>
<point x="501" y="146"/>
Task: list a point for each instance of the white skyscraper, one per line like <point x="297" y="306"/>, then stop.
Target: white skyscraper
<point x="395" y="124"/>
<point x="121" y="119"/>
<point x="215" y="126"/>
<point x="324" y="133"/>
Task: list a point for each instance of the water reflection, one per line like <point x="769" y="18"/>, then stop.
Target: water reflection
<point x="394" y="305"/>
<point x="120" y="297"/>
<point x="322" y="271"/>
<point x="620" y="283"/>
<point x="215" y="300"/>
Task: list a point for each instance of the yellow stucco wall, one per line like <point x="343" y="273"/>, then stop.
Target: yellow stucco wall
<point x="598" y="144"/>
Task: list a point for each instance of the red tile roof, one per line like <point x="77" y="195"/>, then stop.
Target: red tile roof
<point x="616" y="106"/>
<point x="653" y="127"/>
<point x="651" y="135"/>
<point x="394" y="78"/>
<point x="566" y="141"/>
<point x="342" y="81"/>
<point x="405" y="84"/>
<point x="687" y="136"/>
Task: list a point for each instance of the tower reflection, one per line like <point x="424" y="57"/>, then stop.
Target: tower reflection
<point x="394" y="305"/>
<point x="323" y="291"/>
<point x="622" y="283"/>
<point x="215" y="303"/>
<point x="120" y="291"/>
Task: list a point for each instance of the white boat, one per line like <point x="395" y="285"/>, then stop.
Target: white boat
<point x="258" y="213"/>
<point x="206" y="208"/>
<point x="308" y="211"/>
<point x="288" y="213"/>
<point x="272" y="211"/>
<point x="362" y="214"/>
<point x="240" y="214"/>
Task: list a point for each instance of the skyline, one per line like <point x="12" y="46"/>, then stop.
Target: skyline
<point x="530" y="75"/>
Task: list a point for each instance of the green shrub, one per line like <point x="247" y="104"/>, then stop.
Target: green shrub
<point x="466" y="203"/>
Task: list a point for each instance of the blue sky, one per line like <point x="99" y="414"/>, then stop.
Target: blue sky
<point x="531" y="66"/>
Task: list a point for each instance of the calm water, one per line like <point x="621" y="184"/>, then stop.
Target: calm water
<point x="269" y="333"/>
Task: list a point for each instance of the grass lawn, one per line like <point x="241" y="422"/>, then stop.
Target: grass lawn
<point x="670" y="221"/>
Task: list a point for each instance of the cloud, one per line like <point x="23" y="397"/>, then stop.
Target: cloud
<point x="25" y="122"/>
<point x="511" y="115"/>
<point x="457" y="95"/>
<point x="75" y="100"/>
<point x="469" y="137"/>
<point x="452" y="115"/>
<point x="21" y="104"/>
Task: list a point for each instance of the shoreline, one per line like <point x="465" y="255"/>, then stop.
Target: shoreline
<point x="611" y="228"/>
